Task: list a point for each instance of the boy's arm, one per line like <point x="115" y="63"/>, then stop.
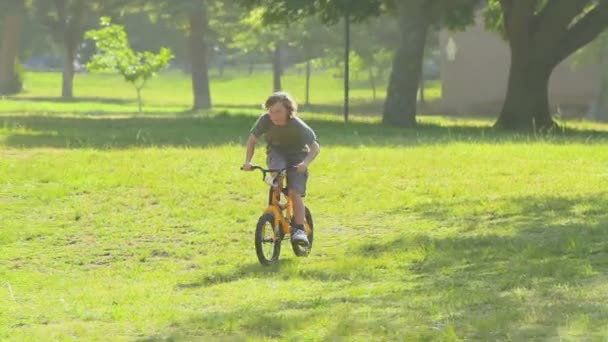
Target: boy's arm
<point x="250" y="151"/>
<point x="313" y="152"/>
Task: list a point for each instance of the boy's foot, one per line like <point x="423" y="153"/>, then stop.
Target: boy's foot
<point x="299" y="236"/>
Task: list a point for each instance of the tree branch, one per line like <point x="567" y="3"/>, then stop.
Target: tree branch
<point x="583" y="32"/>
<point x="557" y="15"/>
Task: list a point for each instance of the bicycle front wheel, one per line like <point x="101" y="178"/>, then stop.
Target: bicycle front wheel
<point x="267" y="243"/>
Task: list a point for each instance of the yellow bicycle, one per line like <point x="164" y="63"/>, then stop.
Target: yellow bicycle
<point x="274" y="225"/>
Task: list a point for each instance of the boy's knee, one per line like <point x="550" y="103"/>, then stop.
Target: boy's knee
<point x="295" y="192"/>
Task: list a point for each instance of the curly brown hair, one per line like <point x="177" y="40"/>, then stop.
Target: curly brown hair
<point x="285" y="99"/>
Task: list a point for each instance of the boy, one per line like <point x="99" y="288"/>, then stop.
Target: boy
<point x="290" y="142"/>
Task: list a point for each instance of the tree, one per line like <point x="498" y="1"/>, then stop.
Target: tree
<point x="401" y="96"/>
<point x="66" y="21"/>
<point x="310" y="40"/>
<point x="270" y="39"/>
<point x="192" y="17"/>
<point x="199" y="27"/>
<point x="207" y="26"/>
<point x="10" y="81"/>
<point x="284" y="12"/>
<point x="115" y="54"/>
<point x="541" y="34"/>
<point x="372" y="44"/>
<point x="415" y="17"/>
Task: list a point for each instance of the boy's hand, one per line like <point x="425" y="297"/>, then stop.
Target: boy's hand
<point x="246" y="167"/>
<point x="302" y="167"/>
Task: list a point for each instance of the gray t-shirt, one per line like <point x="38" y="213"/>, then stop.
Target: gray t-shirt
<point x="292" y="138"/>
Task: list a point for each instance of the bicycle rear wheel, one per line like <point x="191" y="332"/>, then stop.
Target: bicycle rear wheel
<point x="267" y="243"/>
<point x="298" y="250"/>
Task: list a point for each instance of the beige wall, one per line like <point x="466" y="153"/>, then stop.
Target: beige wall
<point x="475" y="81"/>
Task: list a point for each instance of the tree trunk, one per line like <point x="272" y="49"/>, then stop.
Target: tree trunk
<point x="9" y="52"/>
<point x="276" y="68"/>
<point x="198" y="51"/>
<point x="308" y="82"/>
<point x="526" y="104"/>
<point x="539" y="42"/>
<point x="421" y="91"/>
<point x="68" y="68"/>
<point x="400" y="103"/>
<point x="347" y="48"/>
<point x="140" y="103"/>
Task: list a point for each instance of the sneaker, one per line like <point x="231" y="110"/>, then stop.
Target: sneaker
<point x="299" y="237"/>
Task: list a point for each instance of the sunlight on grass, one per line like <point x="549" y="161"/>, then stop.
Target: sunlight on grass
<point x="140" y="227"/>
<point x="171" y="92"/>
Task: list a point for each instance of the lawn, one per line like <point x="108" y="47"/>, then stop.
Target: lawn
<point x="172" y="93"/>
<point x="116" y="226"/>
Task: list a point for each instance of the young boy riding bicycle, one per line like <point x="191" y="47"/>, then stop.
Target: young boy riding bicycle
<point x="290" y="142"/>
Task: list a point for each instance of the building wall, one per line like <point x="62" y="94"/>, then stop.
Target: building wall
<point x="475" y="80"/>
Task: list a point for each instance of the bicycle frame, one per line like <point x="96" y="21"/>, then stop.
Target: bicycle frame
<point x="280" y="212"/>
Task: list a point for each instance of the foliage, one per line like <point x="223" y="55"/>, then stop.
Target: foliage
<point x="115" y="54"/>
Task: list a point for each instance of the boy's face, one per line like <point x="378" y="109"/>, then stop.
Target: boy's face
<point x="278" y="114"/>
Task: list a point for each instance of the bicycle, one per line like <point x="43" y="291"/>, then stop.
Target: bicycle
<point x="278" y="216"/>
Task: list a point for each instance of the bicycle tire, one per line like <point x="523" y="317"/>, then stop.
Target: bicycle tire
<point x="296" y="249"/>
<point x="259" y="241"/>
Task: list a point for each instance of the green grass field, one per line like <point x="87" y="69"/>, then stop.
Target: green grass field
<point x="171" y="93"/>
<point x="116" y="226"/>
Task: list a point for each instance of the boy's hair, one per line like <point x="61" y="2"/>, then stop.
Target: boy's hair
<point x="284" y="98"/>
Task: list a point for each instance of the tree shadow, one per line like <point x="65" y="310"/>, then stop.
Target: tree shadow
<point x="187" y="130"/>
<point x="241" y="325"/>
<point x="357" y="108"/>
<point x="250" y="270"/>
<point x="537" y="279"/>
<point x="529" y="283"/>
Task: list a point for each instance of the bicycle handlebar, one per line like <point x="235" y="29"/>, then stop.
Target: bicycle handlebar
<point x="255" y="167"/>
<point x="265" y="171"/>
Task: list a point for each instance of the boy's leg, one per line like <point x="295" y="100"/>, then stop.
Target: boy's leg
<point x="298" y="207"/>
<point x="296" y="182"/>
<point x="275" y="160"/>
<point x="298" y="235"/>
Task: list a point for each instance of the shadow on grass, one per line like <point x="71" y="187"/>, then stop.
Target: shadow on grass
<point x="251" y="270"/>
<point x="357" y="108"/>
<point x="213" y="130"/>
<point x="534" y="280"/>
<point x="258" y="324"/>
<point x="543" y="278"/>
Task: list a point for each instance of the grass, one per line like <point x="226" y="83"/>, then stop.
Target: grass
<point x="171" y="93"/>
<point x="126" y="227"/>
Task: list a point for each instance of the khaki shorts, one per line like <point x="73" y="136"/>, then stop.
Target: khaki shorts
<point x="296" y="181"/>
